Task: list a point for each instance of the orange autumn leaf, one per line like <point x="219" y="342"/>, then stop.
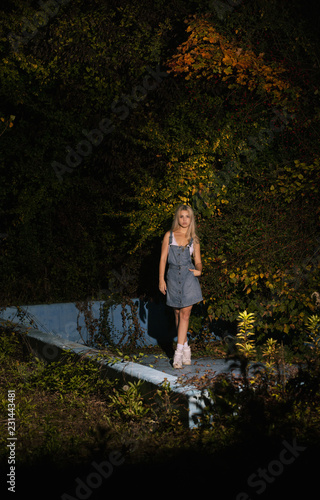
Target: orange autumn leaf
<point x="213" y="53"/>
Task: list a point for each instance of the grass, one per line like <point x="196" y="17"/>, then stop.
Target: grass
<point x="66" y="409"/>
<point x="69" y="416"/>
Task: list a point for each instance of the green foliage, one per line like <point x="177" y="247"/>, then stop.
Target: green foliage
<point x="249" y="171"/>
<point x="57" y="427"/>
<point x="8" y="346"/>
<point x="271" y="399"/>
<point x="69" y="375"/>
<point x="128" y="401"/>
<point x="312" y="344"/>
<point x="66" y="79"/>
<point x="244" y="346"/>
<point x="270" y="354"/>
<point x="237" y="140"/>
<point x="67" y="410"/>
<point x="245" y="342"/>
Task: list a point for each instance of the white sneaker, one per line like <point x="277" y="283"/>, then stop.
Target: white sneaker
<point x="186" y="356"/>
<point x="177" y="359"/>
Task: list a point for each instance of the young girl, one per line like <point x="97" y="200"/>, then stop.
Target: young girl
<point x="182" y="287"/>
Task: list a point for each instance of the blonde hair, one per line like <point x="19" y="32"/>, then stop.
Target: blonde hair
<point x="191" y="233"/>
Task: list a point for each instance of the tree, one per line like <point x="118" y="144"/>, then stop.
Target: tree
<point x="236" y="145"/>
<point x="63" y="79"/>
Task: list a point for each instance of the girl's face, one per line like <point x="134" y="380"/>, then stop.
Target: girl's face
<point x="184" y="218"/>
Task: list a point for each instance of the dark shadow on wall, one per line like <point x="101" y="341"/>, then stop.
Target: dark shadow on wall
<point x="160" y="324"/>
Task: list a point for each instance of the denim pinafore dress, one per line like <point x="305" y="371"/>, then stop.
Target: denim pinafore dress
<point x="183" y="288"/>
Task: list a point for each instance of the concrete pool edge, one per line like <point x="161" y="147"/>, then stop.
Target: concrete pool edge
<point x="49" y="348"/>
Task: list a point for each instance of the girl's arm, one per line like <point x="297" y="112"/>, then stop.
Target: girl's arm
<point x="197" y="260"/>
<point x="163" y="262"/>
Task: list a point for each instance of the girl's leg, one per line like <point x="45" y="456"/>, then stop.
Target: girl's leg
<point x="183" y="324"/>
<point x="176" y="317"/>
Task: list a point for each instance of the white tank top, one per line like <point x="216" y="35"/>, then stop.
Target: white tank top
<point x="174" y="242"/>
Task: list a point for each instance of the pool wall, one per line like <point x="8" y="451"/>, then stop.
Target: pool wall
<point x="53" y="330"/>
<point x="155" y="320"/>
